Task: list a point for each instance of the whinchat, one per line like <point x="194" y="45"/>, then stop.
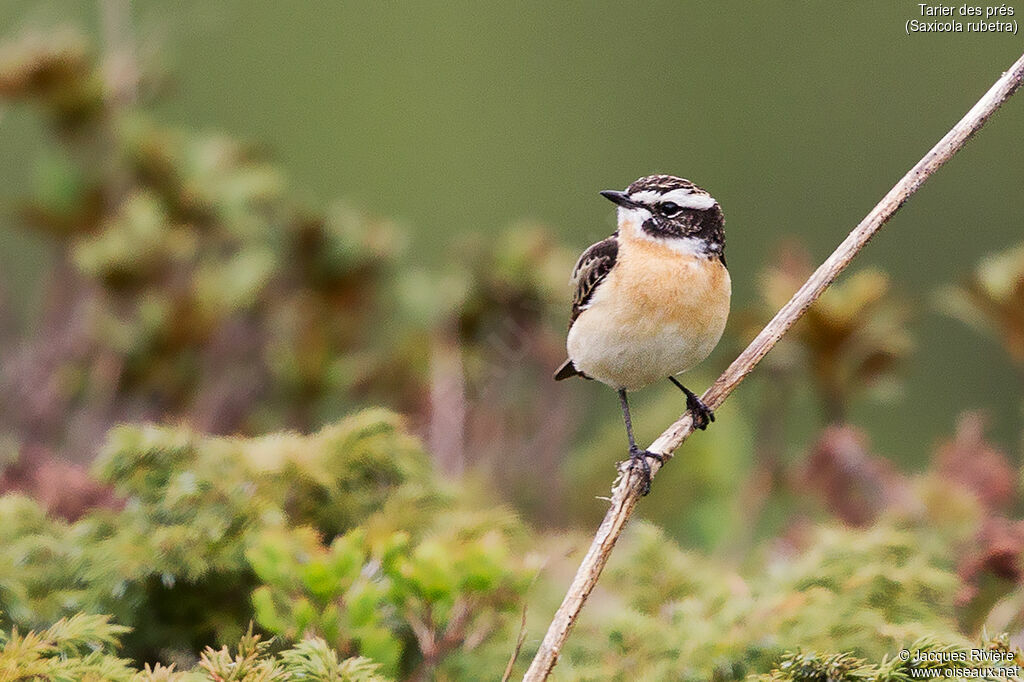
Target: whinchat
<point x="651" y="300"/>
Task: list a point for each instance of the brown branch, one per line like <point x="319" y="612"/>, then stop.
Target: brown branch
<point x="454" y="635"/>
<point x="519" y="647"/>
<point x="626" y="489"/>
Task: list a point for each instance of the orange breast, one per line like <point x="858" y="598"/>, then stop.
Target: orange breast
<point x="660" y="286"/>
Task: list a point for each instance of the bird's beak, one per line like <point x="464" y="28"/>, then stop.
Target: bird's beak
<point x="616" y="197"/>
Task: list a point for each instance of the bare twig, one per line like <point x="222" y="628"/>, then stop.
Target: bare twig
<point x="626" y="490"/>
<point x="519" y="647"/>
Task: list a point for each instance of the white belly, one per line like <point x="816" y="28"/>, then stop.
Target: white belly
<point x="624" y="360"/>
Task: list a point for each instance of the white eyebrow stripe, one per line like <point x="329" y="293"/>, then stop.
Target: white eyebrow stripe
<point x="646" y="197"/>
<point x="689" y="199"/>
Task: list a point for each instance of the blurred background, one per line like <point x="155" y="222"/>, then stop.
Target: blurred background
<point x="321" y="251"/>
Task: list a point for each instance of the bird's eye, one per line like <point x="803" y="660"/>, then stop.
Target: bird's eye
<point x="670" y="209"/>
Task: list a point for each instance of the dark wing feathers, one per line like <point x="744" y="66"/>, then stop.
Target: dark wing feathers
<point x="591" y="269"/>
<point x="567" y="370"/>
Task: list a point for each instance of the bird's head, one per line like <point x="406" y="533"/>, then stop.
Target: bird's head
<point x="673" y="211"/>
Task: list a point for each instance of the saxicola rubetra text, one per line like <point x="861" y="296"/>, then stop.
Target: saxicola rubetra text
<point x="651" y="301"/>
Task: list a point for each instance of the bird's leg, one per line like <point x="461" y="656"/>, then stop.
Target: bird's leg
<point x="702" y="414"/>
<point x="636" y="455"/>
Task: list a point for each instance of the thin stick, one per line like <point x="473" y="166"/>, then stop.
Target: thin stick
<point x="519" y="647"/>
<point x="626" y="490"/>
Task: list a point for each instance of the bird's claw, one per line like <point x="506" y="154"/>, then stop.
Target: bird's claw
<point x="702" y="414"/>
<point x="638" y="457"/>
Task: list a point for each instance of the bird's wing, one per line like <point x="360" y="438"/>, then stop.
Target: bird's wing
<point x="591" y="269"/>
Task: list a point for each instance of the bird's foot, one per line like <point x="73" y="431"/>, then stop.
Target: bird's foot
<point x="702" y="414"/>
<point x="638" y="459"/>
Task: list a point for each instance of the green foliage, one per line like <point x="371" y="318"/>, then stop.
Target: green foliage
<point x="212" y="487"/>
<point x="683" y="616"/>
<point x="42" y="567"/>
<point x="991" y="299"/>
<point x="197" y="504"/>
<point x="926" y="659"/>
<point x="77" y="649"/>
<point x="343" y="534"/>
<point x="175" y="557"/>
<point x="313" y="659"/>
<point x="448" y="591"/>
<point x="83" y="649"/>
<point x="839" y="608"/>
<point x="312" y="590"/>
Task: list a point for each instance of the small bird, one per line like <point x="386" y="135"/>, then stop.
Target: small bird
<point x="651" y="301"/>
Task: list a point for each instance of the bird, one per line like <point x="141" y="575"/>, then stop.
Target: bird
<point x="651" y="301"/>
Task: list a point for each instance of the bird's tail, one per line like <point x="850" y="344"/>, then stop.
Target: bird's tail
<point x="567" y="370"/>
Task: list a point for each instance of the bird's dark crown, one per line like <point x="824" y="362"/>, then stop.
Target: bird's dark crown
<point x="661" y="184"/>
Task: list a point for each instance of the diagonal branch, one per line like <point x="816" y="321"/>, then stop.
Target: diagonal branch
<point x="626" y="490"/>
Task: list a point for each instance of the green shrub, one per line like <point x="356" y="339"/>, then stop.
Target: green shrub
<point x="404" y="602"/>
<point x="681" y="615"/>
